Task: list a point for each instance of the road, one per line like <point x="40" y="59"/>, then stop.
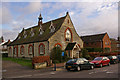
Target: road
<point x="111" y="71"/>
<point x="105" y="72"/>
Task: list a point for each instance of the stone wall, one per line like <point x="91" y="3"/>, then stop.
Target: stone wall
<point x="59" y="36"/>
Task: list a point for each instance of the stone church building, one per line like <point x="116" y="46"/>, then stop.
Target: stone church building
<point x="39" y="40"/>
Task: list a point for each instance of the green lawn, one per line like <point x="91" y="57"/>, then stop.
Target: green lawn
<point x="24" y="62"/>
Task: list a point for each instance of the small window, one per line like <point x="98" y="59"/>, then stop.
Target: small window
<point x="19" y="37"/>
<point x="58" y="46"/>
<point x="32" y="34"/>
<point x="41" y="31"/>
<point x="68" y="21"/>
<point x="105" y="43"/>
<point x="25" y="35"/>
<point x="52" y="28"/>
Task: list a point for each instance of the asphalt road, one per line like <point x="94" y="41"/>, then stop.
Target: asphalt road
<point x="18" y="71"/>
<point x="105" y="72"/>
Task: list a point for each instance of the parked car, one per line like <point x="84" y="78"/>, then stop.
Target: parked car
<point x="113" y="59"/>
<point x="118" y="56"/>
<point x="101" y="61"/>
<point x="79" y="64"/>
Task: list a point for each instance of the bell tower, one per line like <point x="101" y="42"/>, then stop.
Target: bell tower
<point x="40" y="20"/>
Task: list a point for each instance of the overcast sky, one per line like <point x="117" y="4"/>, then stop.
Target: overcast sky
<point x="88" y="17"/>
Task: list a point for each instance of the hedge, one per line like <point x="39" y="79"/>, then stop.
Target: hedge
<point x="94" y="49"/>
<point x="41" y="59"/>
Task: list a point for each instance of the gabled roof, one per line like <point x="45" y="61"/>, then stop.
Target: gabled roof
<point x="93" y="38"/>
<point x="70" y="46"/>
<point x="38" y="38"/>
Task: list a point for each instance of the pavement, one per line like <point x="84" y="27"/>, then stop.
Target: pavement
<point x="11" y="69"/>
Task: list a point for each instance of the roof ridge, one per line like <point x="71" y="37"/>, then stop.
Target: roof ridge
<point x="94" y="34"/>
<point x="46" y="22"/>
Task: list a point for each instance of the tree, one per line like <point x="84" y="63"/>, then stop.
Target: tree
<point x="56" y="55"/>
<point x="85" y="53"/>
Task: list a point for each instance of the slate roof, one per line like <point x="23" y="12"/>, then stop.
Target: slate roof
<point x="93" y="38"/>
<point x="70" y="46"/>
<point x="37" y="37"/>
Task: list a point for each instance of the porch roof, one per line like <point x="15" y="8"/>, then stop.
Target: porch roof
<point x="70" y="46"/>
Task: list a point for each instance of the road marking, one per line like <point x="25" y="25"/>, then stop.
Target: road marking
<point x="104" y="70"/>
<point x="91" y="72"/>
<point x="4" y="70"/>
<point x="21" y="76"/>
<point x="109" y="72"/>
<point x="52" y="73"/>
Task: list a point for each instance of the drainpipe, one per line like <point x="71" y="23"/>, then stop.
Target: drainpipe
<point x="33" y="49"/>
<point x="13" y="51"/>
<point x="102" y="45"/>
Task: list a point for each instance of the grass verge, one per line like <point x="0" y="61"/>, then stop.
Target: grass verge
<point x="21" y="61"/>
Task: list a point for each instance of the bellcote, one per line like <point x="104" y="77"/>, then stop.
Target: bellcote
<point x="40" y="19"/>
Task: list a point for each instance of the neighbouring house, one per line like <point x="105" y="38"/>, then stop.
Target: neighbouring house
<point x="118" y="44"/>
<point x="39" y="40"/>
<point x="1" y="39"/>
<point x="97" y="41"/>
<point x="4" y="46"/>
<point x="113" y="45"/>
<point x="1" y="42"/>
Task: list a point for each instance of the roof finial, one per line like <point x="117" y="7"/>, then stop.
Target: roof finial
<point x="67" y="13"/>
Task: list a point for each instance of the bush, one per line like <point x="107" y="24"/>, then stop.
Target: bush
<point x="56" y="55"/>
<point x="4" y="54"/>
<point x="107" y="50"/>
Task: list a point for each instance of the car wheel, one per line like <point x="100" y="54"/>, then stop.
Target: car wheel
<point x="108" y="64"/>
<point x="68" y="69"/>
<point x="101" y="65"/>
<point x="91" y="67"/>
<point x="78" y="68"/>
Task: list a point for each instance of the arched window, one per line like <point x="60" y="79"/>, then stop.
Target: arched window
<point x="15" y="50"/>
<point x="41" y="48"/>
<point x="68" y="35"/>
<point x="58" y="45"/>
<point x="22" y="50"/>
<point x="30" y="50"/>
<point x="10" y="50"/>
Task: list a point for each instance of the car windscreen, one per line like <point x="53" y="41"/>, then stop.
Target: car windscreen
<point x="72" y="60"/>
<point x="85" y="60"/>
<point x="98" y="58"/>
